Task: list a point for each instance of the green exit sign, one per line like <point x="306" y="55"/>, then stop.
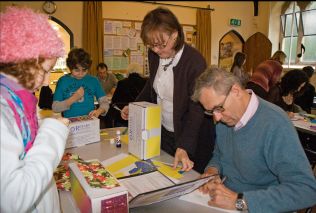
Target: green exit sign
<point x="235" y="22"/>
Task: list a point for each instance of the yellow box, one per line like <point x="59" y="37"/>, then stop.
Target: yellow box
<point x="144" y="129"/>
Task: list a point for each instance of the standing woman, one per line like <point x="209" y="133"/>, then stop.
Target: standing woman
<point x="29" y="153"/>
<point x="187" y="134"/>
<point x="237" y="68"/>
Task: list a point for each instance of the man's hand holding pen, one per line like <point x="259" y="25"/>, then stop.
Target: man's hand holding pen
<point x="220" y="195"/>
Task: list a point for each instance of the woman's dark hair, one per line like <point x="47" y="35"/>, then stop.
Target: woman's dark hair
<point x="102" y="66"/>
<point x="78" y="56"/>
<point x="239" y="59"/>
<point x="292" y="80"/>
<point x="161" y="20"/>
<point x="309" y="71"/>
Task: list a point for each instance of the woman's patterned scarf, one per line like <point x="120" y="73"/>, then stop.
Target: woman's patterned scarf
<point x="23" y="103"/>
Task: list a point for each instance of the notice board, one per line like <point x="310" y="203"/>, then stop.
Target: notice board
<point x="123" y="45"/>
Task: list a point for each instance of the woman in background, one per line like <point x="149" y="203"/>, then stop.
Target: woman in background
<point x="306" y="98"/>
<point x="29" y="153"/>
<point x="286" y="91"/>
<point x="237" y="68"/>
<point x="187" y="133"/>
<point x="265" y="76"/>
<point x="126" y="91"/>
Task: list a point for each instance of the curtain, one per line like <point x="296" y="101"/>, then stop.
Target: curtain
<point x="203" y="37"/>
<point x="92" y="37"/>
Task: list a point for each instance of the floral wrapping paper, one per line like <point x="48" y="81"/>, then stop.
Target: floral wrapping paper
<point x="96" y="175"/>
<point x="62" y="173"/>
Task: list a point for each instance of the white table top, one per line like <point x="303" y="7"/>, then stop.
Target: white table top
<point x="303" y="124"/>
<point x="104" y="150"/>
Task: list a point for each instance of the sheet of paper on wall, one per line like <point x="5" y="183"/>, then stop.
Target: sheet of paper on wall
<point x="199" y="198"/>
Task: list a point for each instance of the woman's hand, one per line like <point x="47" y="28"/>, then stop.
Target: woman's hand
<point x="182" y="156"/>
<point x="124" y="113"/>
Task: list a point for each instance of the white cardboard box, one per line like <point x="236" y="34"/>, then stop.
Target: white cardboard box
<point x="83" y="130"/>
<point x="107" y="199"/>
<point x="144" y="129"/>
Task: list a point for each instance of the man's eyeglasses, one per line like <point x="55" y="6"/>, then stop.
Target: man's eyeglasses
<point x="220" y="108"/>
<point x="159" y="46"/>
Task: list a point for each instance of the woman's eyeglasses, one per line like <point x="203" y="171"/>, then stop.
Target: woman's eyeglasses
<point x="159" y="46"/>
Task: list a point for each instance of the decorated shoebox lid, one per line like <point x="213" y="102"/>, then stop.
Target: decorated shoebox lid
<point x="94" y="189"/>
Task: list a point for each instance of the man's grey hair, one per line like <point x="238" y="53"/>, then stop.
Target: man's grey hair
<point x="218" y="79"/>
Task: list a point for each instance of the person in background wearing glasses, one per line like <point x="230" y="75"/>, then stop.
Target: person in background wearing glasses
<point x="187" y="133"/>
<point x="29" y="152"/>
<point x="75" y="92"/>
<point x="257" y="148"/>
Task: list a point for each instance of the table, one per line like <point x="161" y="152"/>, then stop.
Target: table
<point x="103" y="150"/>
<point x="303" y="125"/>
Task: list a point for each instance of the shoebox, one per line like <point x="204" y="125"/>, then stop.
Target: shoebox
<point x="95" y="190"/>
<point x="83" y="130"/>
<point x="144" y="129"/>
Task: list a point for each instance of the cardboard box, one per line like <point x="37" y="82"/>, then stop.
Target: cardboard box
<point x="95" y="190"/>
<point x="144" y="129"/>
<point x="83" y="130"/>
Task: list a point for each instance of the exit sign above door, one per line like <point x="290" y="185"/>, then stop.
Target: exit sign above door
<point x="235" y="22"/>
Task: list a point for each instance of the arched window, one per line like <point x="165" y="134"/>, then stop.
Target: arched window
<point x="298" y="37"/>
<point x="229" y="44"/>
<point x="67" y="36"/>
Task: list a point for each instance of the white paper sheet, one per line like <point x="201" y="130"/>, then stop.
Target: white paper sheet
<point x="202" y="199"/>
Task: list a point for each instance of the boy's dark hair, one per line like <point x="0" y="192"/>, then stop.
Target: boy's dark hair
<point x="78" y="56"/>
<point x="102" y="65"/>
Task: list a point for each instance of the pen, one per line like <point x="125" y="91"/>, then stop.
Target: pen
<point x="116" y="107"/>
<point x="223" y="179"/>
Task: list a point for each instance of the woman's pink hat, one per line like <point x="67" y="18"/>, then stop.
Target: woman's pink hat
<point x="25" y="34"/>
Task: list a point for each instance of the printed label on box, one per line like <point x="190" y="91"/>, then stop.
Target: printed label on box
<point x="83" y="130"/>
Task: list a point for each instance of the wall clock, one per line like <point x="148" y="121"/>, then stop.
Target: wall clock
<point x="49" y="7"/>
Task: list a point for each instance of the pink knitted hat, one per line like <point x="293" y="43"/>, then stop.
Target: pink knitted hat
<point x="25" y="34"/>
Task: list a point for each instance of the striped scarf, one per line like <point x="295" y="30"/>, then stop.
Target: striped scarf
<point x="23" y="104"/>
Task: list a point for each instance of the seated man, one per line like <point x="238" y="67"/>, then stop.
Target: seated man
<point x="107" y="80"/>
<point x="257" y="149"/>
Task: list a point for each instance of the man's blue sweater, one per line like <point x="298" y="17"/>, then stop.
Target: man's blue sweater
<point x="266" y="162"/>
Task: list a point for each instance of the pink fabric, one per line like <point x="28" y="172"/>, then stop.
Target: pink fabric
<point x="267" y="74"/>
<point x="27" y="35"/>
<point x="250" y="111"/>
<point x="29" y="102"/>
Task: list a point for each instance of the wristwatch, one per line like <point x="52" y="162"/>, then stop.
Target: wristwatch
<point x="240" y="202"/>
